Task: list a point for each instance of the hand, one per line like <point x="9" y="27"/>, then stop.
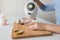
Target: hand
<point x="36" y="26"/>
<point x="47" y="27"/>
<point x="25" y="20"/>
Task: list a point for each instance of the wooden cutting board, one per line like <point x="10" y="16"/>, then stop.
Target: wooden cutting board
<point x="26" y="32"/>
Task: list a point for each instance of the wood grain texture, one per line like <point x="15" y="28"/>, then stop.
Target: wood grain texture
<point x="26" y="32"/>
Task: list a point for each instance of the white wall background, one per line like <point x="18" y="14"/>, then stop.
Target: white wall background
<point x="0" y="6"/>
<point x="15" y="8"/>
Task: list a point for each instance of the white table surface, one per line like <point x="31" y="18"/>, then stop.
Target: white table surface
<point x="5" y="32"/>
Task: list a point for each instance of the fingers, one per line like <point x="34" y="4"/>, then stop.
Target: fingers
<point x="26" y="20"/>
<point x="36" y="26"/>
<point x="33" y="26"/>
<point x="31" y="23"/>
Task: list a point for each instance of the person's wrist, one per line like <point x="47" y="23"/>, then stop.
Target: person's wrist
<point x="48" y="28"/>
<point x="42" y="27"/>
<point x="45" y="27"/>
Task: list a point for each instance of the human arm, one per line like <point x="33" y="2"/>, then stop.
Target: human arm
<point x="53" y="28"/>
<point x="47" y="7"/>
<point x="47" y="27"/>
